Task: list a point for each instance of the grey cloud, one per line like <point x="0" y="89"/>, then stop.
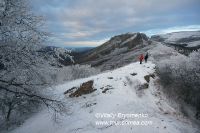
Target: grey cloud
<point x="85" y="19"/>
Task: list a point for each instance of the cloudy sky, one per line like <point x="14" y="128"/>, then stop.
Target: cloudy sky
<point x="92" y="22"/>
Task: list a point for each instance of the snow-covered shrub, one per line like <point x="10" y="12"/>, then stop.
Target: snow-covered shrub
<point x="180" y="76"/>
<point x="59" y="75"/>
<point x="82" y="71"/>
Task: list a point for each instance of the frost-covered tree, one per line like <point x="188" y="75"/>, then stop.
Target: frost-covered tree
<point x="21" y="83"/>
<point x="18" y="24"/>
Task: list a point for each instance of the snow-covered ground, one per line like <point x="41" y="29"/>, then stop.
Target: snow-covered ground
<point x="123" y="108"/>
<point x="191" y="38"/>
<point x="175" y="36"/>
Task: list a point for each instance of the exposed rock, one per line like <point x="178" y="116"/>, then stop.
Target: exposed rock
<point x="133" y="74"/>
<point x="147" y="77"/>
<point x="70" y="90"/>
<point x="85" y="88"/>
<point x="106" y="88"/>
<point x="89" y="104"/>
<point x="197" y="115"/>
<point x="2" y="66"/>
<point x="143" y="86"/>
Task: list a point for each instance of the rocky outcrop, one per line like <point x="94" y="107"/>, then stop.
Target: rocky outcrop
<point x="85" y="88"/>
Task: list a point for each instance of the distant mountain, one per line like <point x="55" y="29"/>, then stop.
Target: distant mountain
<point x="128" y="41"/>
<point x="80" y="49"/>
<point x="59" y="55"/>
<point x="119" y="50"/>
<point x="190" y="39"/>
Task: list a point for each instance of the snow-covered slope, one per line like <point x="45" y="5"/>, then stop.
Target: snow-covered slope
<point x="188" y="38"/>
<point x="121" y="103"/>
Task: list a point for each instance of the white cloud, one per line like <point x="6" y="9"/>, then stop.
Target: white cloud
<point x="172" y="29"/>
<point x="92" y="43"/>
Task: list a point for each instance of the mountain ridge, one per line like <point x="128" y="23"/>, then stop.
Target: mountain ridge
<point x="120" y="45"/>
<point x="190" y="39"/>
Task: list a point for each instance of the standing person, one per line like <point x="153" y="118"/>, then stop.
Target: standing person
<point x="146" y="57"/>
<point x="141" y="58"/>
